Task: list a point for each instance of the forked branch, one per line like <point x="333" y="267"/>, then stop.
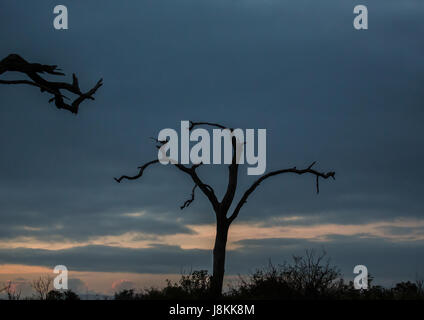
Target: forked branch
<point x="249" y="191"/>
<point x="191" y="171"/>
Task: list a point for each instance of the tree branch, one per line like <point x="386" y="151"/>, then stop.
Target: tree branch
<point x="140" y="173"/>
<point x="221" y="208"/>
<point x="188" y="202"/>
<point x="5" y="288"/>
<point x="206" y="189"/>
<point x="16" y="63"/>
<point x="228" y="198"/>
<point x="309" y="169"/>
<point x="196" y="124"/>
<point x="233" y="167"/>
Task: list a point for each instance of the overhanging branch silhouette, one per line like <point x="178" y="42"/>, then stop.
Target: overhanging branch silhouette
<point x="16" y="63"/>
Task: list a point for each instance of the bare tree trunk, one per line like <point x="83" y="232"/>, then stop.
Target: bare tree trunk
<point x="219" y="257"/>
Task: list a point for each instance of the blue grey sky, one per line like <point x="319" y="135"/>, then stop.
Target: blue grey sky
<point x="350" y="100"/>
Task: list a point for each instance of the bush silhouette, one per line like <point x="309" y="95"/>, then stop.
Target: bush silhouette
<point x="67" y="295"/>
<point x="195" y="285"/>
<point x="308" y="277"/>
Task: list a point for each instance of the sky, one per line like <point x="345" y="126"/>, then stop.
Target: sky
<point x="350" y="100"/>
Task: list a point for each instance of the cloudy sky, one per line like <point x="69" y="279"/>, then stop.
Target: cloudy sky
<point x="350" y="100"/>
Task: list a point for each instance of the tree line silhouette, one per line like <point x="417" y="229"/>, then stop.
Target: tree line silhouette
<point x="307" y="277"/>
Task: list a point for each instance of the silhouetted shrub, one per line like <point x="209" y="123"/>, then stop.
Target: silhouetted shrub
<point x="69" y="295"/>
<point x="126" y="294"/>
<point x="59" y="295"/>
<point x="407" y="291"/>
<point x="307" y="277"/>
<point x="195" y="285"/>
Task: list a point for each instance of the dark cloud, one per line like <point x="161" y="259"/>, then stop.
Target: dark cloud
<point x="157" y="259"/>
<point x="403" y="231"/>
<point x="84" y="228"/>
<point x="77" y="285"/>
<point x="386" y="260"/>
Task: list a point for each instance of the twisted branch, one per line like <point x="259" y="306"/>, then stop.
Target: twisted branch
<point x="16" y="63"/>
<point x="140" y="173"/>
<point x="188" y="202"/>
<point x="206" y="189"/>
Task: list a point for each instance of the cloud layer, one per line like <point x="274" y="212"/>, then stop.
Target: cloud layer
<point x="350" y="100"/>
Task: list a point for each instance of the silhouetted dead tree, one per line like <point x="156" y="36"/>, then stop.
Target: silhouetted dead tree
<point x="5" y="288"/>
<point x="42" y="286"/>
<point x="16" y="63"/>
<point x="221" y="208"/>
<point x="11" y="291"/>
